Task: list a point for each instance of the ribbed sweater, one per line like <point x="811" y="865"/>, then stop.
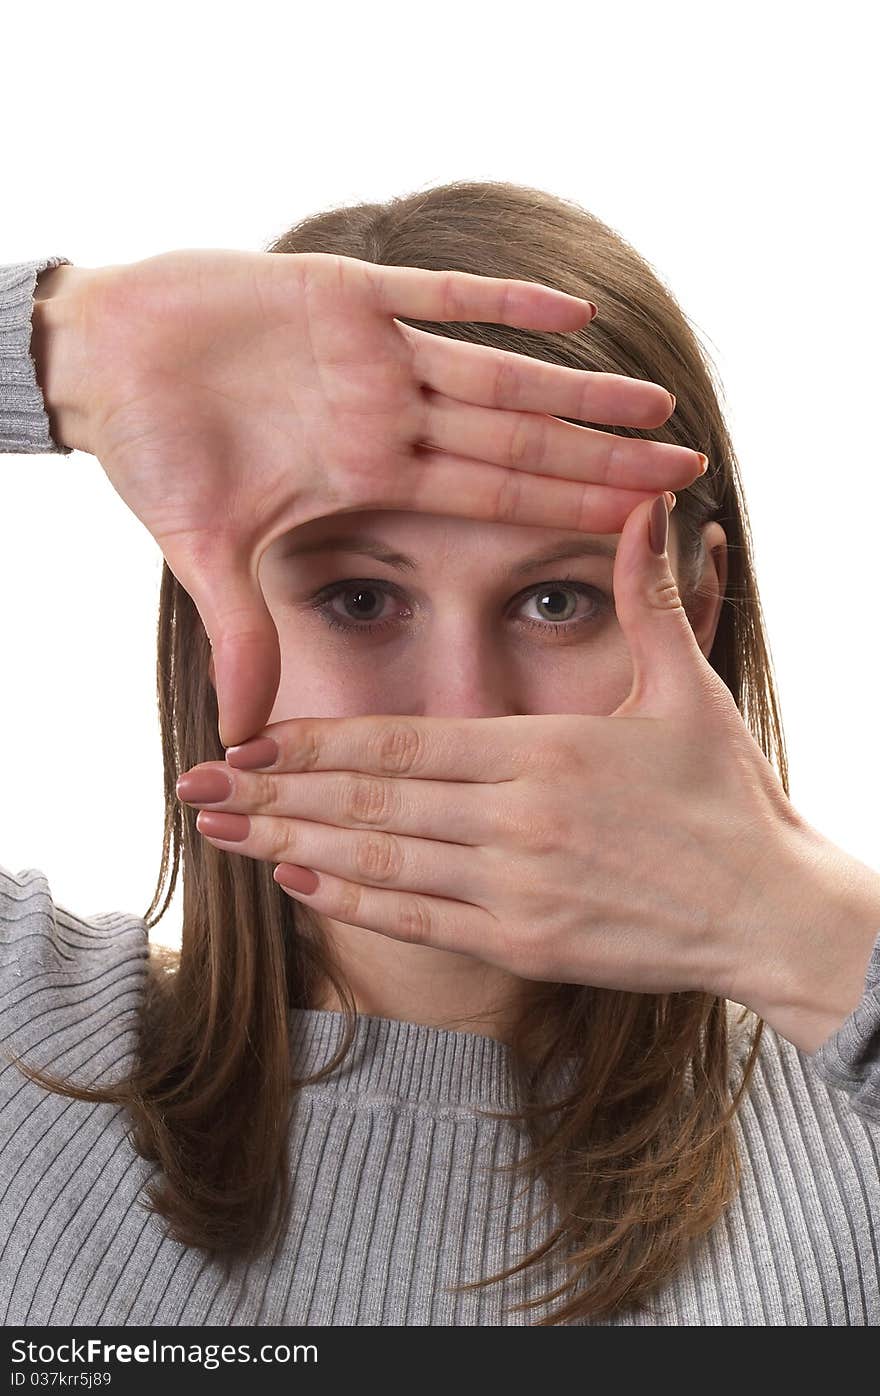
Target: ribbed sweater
<point x="393" y="1162"/>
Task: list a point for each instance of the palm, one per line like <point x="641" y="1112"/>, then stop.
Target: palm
<point x="213" y="418"/>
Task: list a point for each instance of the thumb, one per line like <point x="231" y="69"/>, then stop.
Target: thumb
<point x="246" y="654"/>
<point x="664" y="649"/>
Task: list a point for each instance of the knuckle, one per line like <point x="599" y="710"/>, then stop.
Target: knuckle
<point x="507" y="504"/>
<point x="551" y="762"/>
<point x="512" y="824"/>
<point x="377" y="857"/>
<point x="348" y="904"/>
<point x="307" y="268"/>
<point x="664" y="595"/>
<point x="286" y="850"/>
<point x="414" y="921"/>
<point x="507" y="384"/>
<point x="537" y="770"/>
<point x="534" y="830"/>
<point x="549" y="832"/>
<point x="269" y="797"/>
<point x="619" y="457"/>
<point x="306" y="750"/>
<point x="398" y="748"/>
<point x="585" y="515"/>
<point x="554" y="763"/>
<point x="369" y="801"/>
<point x="519" y="442"/>
<point x="450" y="297"/>
<point x="541" y="442"/>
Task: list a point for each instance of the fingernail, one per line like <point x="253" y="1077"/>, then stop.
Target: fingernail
<point x="252" y="755"/>
<point x="296" y="879"/>
<point x="204" y="787"/>
<point x="659" y="529"/>
<point x="229" y="828"/>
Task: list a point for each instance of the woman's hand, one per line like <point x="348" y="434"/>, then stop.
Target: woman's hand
<point x="232" y="396"/>
<point x="653" y="850"/>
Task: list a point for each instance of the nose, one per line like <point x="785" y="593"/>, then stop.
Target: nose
<point x="463" y="669"/>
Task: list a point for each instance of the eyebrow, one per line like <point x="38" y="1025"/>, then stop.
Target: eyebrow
<point x="364" y="544"/>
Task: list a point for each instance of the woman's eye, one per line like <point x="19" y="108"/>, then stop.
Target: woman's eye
<point x="365" y="600"/>
<point x="556" y="604"/>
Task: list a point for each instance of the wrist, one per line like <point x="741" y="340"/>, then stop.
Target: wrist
<point x="59" y="339"/>
<point x="818" y="936"/>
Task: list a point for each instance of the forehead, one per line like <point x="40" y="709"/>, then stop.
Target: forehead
<point x="408" y="541"/>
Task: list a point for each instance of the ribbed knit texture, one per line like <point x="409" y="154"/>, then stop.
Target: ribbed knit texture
<point x="391" y="1160"/>
<point x="24" y="425"/>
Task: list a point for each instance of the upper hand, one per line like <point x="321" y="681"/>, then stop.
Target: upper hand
<point x="231" y="396"/>
<point x="649" y="850"/>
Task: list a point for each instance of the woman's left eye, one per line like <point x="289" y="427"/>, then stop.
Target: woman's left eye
<point x="548" y="594"/>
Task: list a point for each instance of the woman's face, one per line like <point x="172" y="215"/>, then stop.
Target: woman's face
<point x="460" y="622"/>
<point x="463" y="624"/>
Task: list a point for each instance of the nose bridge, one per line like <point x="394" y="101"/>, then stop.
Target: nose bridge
<point x="465" y="668"/>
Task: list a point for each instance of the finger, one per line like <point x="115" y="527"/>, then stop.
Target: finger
<point x="460" y="295"/>
<point x="370" y="857"/>
<point x="415" y="919"/>
<point x="470" y="815"/>
<point x="437" y="482"/>
<point x="490" y="377"/>
<point x="239" y="625"/>
<point x="545" y="445"/>
<point x="439" y="748"/>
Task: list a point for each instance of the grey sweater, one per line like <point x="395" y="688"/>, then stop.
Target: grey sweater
<point x="394" y="1196"/>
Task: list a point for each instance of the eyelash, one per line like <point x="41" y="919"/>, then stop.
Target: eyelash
<point x="322" y="599"/>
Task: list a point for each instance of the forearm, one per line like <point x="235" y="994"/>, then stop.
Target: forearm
<point x="820" y="933"/>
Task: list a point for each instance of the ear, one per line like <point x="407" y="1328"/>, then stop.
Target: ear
<point x="705" y="607"/>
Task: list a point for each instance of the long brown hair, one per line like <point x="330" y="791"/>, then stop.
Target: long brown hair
<point x="640" y="1152"/>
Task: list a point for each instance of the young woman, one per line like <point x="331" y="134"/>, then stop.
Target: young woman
<point x="486" y="1071"/>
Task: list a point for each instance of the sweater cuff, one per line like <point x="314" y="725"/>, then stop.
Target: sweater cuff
<point x="24" y="422"/>
<point x="850" y="1058"/>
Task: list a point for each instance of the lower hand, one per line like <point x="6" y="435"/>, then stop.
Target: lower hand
<point x="232" y="396"/>
<point x="652" y="850"/>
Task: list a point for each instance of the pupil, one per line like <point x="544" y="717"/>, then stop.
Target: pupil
<point x="361" y="592"/>
<point x="542" y="601"/>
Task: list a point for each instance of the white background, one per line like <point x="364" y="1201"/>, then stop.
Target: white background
<point x="735" y="148"/>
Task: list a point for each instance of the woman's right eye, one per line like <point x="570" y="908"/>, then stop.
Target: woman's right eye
<point x="355" y="589"/>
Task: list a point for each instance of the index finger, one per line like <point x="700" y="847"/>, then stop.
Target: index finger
<point x="441" y="748"/>
<point x="464" y="295"/>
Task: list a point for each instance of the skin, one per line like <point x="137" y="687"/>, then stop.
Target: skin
<point x="196" y="377"/>
<point x="458" y="644"/>
<point x="208" y="473"/>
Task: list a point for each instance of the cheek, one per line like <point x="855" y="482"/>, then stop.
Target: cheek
<point x="317" y="684"/>
<point x="595" y="686"/>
